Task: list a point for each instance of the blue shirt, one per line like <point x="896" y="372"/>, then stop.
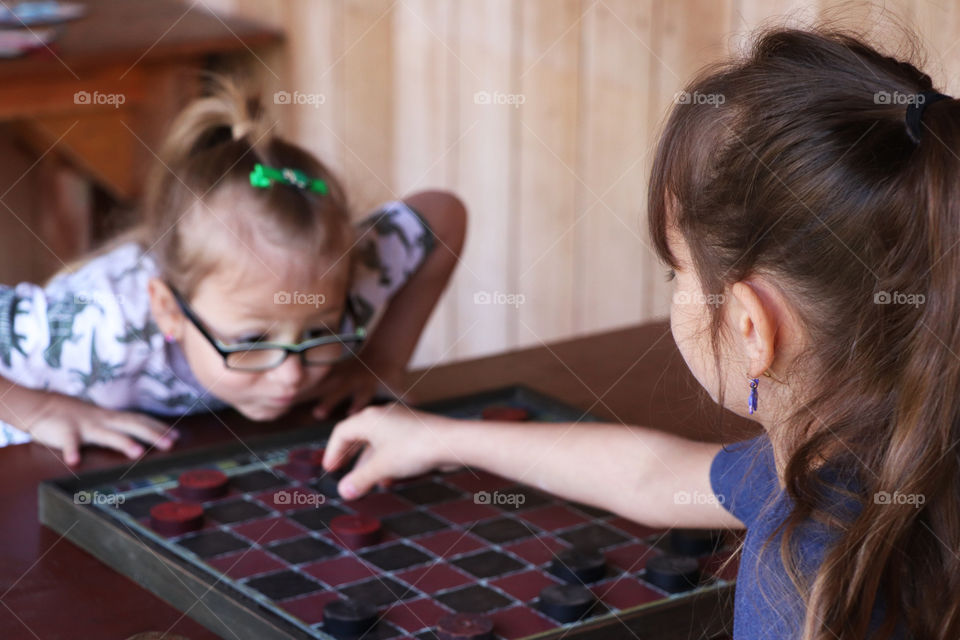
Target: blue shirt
<point x="766" y="604"/>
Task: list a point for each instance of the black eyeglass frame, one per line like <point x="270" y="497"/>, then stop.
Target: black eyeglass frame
<point x="358" y="336"/>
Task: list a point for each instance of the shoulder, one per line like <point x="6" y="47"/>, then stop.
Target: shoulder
<point x="743" y="475"/>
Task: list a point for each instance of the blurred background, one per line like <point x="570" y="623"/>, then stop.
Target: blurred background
<point x="541" y="114"/>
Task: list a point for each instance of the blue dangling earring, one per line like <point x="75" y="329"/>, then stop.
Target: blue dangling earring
<point x="752" y="400"/>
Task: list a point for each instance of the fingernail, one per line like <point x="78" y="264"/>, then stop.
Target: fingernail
<point x="165" y="443"/>
<point x="135" y="451"/>
<point x="347" y="490"/>
<point x="173" y="434"/>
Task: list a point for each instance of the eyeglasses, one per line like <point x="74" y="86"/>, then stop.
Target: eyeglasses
<point x="261" y="355"/>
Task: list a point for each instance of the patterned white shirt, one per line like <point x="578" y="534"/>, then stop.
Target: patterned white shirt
<point x="90" y="333"/>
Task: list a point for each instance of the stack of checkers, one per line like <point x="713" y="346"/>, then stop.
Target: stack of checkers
<point x="177" y="517"/>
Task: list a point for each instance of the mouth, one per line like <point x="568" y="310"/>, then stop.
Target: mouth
<point x="281" y="401"/>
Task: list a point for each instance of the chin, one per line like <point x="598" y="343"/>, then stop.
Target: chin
<point x="262" y="413"/>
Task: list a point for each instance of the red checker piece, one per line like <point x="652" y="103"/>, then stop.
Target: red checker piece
<point x="307" y="460"/>
<point x="175" y="518"/>
<point x="356" y="531"/>
<point x="202" y="484"/>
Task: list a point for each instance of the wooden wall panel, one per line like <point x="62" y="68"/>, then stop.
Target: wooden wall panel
<point x="556" y="186"/>
<point x="547" y="219"/>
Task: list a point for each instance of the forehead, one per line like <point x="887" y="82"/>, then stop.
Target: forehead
<point x="276" y="284"/>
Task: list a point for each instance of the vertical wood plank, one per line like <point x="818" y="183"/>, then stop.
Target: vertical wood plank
<point x="613" y="254"/>
<point x="366" y="85"/>
<point x="425" y="120"/>
<point x="687" y="35"/>
<point x="546" y="215"/>
<point x="486" y="177"/>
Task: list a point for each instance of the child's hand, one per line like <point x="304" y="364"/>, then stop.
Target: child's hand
<point x="397" y="442"/>
<point x="67" y="423"/>
<point x="356" y="379"/>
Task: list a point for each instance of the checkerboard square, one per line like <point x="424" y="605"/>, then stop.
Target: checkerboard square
<point x="593" y="536"/>
<point x="395" y="557"/>
<point x="524" y="586"/>
<point x="435" y="577"/>
<point x="429" y="492"/>
<point x="413" y="523"/>
<point x="537" y="550"/>
<point x="379" y="505"/>
<point x="473" y="599"/>
<point x="208" y="544"/>
<point x="343" y="570"/>
<point x="267" y="530"/>
<point x="300" y="550"/>
<point x="519" y="622"/>
<point x="235" y="511"/>
<point x="310" y="608"/>
<point x="379" y="591"/>
<point x="283" y="585"/>
<point x="317" y="518"/>
<point x="464" y="511"/>
<point x="624" y="592"/>
<point x="487" y="564"/>
<point x="448" y="544"/>
<point x="503" y="530"/>
<point x="415" y="615"/>
<point x="631" y="557"/>
<point x="245" y="563"/>
<point x="255" y="481"/>
<point x="553" y="517"/>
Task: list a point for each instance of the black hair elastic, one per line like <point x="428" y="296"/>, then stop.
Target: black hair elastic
<point x="915" y="111"/>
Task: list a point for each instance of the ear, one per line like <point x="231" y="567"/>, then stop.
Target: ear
<point x="166" y="312"/>
<point x="756" y="322"/>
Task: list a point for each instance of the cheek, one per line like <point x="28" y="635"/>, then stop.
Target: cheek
<point x="689" y="324"/>
<point x="209" y="370"/>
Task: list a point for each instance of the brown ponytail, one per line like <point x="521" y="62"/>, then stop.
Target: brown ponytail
<point x="208" y="154"/>
<point x="806" y="172"/>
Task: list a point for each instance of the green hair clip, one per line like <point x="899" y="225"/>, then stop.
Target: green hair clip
<point x="262" y="177"/>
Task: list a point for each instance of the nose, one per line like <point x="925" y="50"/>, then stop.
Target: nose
<point x="289" y="374"/>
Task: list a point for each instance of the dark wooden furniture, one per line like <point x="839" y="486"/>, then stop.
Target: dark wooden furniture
<point x="51" y="589"/>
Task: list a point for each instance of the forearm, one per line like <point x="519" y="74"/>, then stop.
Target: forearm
<point x="632" y="471"/>
<point x="407" y="312"/>
<point x="19" y="405"/>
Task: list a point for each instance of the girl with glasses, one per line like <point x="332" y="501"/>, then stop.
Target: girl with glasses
<point x="245" y="285"/>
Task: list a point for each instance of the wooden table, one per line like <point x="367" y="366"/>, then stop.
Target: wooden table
<point x="51" y="589"/>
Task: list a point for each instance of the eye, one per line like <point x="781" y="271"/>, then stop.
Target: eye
<point x="671" y="274"/>
<point x="252" y="338"/>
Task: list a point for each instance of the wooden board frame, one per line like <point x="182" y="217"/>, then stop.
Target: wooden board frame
<point x="229" y="613"/>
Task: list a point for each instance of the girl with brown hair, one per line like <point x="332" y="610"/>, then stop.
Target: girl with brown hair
<point x="807" y="200"/>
